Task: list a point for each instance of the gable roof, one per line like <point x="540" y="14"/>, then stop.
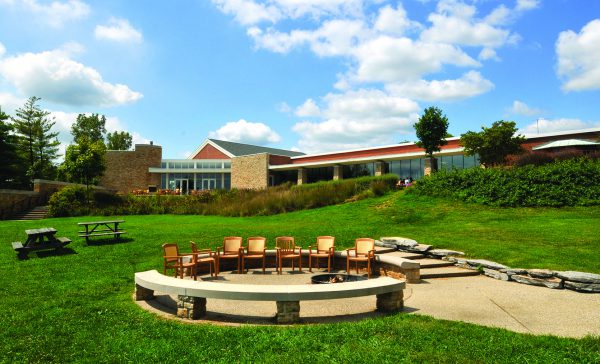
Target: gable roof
<point x="239" y="149"/>
<point x="232" y="149"/>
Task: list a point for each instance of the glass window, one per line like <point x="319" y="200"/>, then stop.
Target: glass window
<point x="227" y="165"/>
<point x="457" y="161"/>
<point x="163" y="164"/>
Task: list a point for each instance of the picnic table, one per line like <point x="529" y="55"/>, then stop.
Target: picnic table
<point x="100" y="228"/>
<point x="40" y="239"/>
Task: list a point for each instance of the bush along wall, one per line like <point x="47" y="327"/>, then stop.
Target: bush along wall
<point x="561" y="183"/>
<point x="274" y="200"/>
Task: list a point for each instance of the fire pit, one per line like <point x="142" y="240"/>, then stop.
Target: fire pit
<point x="336" y="278"/>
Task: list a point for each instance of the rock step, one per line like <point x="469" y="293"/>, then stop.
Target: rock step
<point x="407" y="255"/>
<point x="36" y="213"/>
<point x="384" y="250"/>
<point x="434" y="263"/>
<point x="447" y="272"/>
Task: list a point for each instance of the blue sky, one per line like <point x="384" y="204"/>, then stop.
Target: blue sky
<point x="312" y="75"/>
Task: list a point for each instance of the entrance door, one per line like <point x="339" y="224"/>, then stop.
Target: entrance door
<point x="209" y="183"/>
<point x="182" y="186"/>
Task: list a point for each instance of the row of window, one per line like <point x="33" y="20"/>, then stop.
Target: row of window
<point x="196" y="165"/>
<point x="185" y="182"/>
<point x="406" y="168"/>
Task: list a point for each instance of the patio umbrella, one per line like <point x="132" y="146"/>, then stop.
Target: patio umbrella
<point x="566" y="143"/>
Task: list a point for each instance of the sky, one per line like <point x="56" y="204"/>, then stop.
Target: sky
<point x="306" y="75"/>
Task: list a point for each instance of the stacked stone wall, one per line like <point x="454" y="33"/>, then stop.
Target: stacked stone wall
<point x="250" y="172"/>
<point x="128" y="170"/>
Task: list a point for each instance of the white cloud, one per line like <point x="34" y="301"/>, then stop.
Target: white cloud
<point x="53" y="76"/>
<point x="118" y="30"/>
<point x="527" y="4"/>
<point x="307" y="109"/>
<point x="579" y="58"/>
<point x="394" y="21"/>
<point x="284" y="107"/>
<point x="248" y="12"/>
<point x="2" y="49"/>
<point x="10" y="102"/>
<point x="55" y="13"/>
<point x="487" y="54"/>
<point x="555" y="125"/>
<point x="388" y="59"/>
<point x="357" y="119"/>
<point x="470" y="84"/>
<point x="246" y="132"/>
<point x="454" y="23"/>
<point x="521" y="108"/>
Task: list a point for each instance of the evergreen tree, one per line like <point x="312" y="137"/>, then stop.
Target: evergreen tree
<point x="10" y="176"/>
<point x="119" y="140"/>
<point x="92" y="127"/>
<point x="37" y="144"/>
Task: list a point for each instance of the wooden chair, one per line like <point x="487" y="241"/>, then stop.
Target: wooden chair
<point x="325" y="249"/>
<point x="285" y="248"/>
<point x="201" y="260"/>
<point x="364" y="251"/>
<point x="256" y="249"/>
<point x="178" y="262"/>
<point x="231" y="249"/>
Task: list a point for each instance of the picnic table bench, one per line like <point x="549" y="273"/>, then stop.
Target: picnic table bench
<point x="40" y="239"/>
<point x="100" y="228"/>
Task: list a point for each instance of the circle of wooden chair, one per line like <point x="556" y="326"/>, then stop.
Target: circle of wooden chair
<point x="364" y="251"/>
<point x="210" y="259"/>
<point x="325" y="248"/>
<point x="256" y="249"/>
<point x="285" y="248"/>
<point x="231" y="249"/>
<point x="172" y="259"/>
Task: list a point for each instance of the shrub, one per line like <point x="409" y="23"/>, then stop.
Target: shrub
<point x="533" y="158"/>
<point x="70" y="201"/>
<point x="561" y="183"/>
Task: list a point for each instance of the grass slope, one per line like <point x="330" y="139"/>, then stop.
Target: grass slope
<point x="78" y="307"/>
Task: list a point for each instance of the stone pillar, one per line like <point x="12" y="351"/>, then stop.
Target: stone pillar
<point x="143" y="294"/>
<point x="302" y="176"/>
<point x="191" y="307"/>
<point x="412" y="275"/>
<point x="338" y="173"/>
<point x="390" y="302"/>
<point x="288" y="312"/>
<point x="380" y="168"/>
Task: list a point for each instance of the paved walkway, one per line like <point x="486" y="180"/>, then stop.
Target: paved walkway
<point x="479" y="300"/>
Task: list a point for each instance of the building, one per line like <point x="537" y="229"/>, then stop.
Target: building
<point x="218" y="164"/>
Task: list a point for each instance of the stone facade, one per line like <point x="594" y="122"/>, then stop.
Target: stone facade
<point x="192" y="308"/>
<point x="302" y="176"/>
<point x="390" y="302"/>
<point x="143" y="294"/>
<point x="128" y="170"/>
<point x="288" y="312"/>
<point x="250" y="172"/>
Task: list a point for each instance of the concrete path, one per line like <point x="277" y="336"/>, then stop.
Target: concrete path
<point x="479" y="300"/>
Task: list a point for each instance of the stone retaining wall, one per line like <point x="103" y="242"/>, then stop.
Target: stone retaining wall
<point x="577" y="281"/>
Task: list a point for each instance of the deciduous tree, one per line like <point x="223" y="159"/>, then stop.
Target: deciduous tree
<point x="493" y="144"/>
<point x="431" y="129"/>
<point x="119" y="140"/>
<point x="10" y="176"/>
<point x="84" y="162"/>
<point x="92" y="127"/>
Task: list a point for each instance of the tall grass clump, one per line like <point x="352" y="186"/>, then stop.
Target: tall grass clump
<point x="560" y="183"/>
<point x="274" y="200"/>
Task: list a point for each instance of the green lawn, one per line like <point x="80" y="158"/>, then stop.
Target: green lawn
<point x="78" y="307"/>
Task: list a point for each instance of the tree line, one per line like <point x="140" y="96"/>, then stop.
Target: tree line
<point x="29" y="148"/>
<point x="492" y="144"/>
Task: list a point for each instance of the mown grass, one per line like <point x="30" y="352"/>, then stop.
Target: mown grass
<point x="78" y="307"/>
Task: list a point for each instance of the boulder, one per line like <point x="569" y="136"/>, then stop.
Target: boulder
<point x="486" y="264"/>
<point x="444" y="252"/>
<point x="583" y="287"/>
<point x="400" y="242"/>
<point x="385" y="245"/>
<point x="496" y="274"/>
<point x="554" y="283"/>
<point x="540" y="273"/>
<point x="513" y="271"/>
<point x="581" y="277"/>
<point x="419" y="248"/>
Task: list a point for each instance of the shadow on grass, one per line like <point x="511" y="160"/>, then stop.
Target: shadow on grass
<point x="108" y="241"/>
<point x="47" y="253"/>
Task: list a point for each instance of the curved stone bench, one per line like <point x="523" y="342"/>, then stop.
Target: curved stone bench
<point x="192" y="295"/>
<point x="387" y="265"/>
